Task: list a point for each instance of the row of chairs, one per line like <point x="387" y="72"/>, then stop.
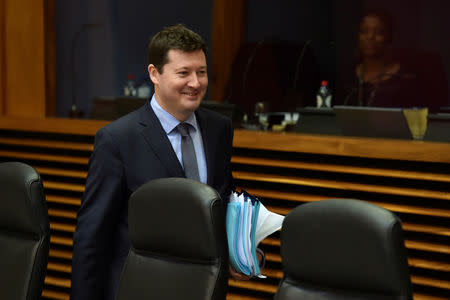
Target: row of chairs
<point x="332" y="249"/>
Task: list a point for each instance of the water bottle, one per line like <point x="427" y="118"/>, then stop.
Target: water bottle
<point x="130" y="87"/>
<point x="144" y="90"/>
<point x="323" y="97"/>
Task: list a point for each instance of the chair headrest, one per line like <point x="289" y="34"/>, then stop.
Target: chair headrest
<point x="344" y="243"/>
<point x="177" y="217"/>
<point x="22" y="203"/>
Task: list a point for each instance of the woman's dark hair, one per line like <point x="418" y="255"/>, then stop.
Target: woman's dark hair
<point x="177" y="37"/>
<point x="385" y="18"/>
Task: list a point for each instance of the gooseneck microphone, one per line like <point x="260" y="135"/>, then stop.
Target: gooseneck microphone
<point x="299" y="63"/>
<point x="248" y="65"/>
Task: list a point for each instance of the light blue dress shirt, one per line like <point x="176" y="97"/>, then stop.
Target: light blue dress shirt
<point x="169" y="124"/>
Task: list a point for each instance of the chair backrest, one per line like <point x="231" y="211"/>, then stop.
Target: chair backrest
<point x="178" y="243"/>
<point x="343" y="249"/>
<point x="24" y="232"/>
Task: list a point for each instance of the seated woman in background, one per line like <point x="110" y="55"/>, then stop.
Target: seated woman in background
<point x="384" y="79"/>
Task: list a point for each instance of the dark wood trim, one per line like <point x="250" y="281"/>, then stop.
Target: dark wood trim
<point x="24" y="58"/>
<point x="50" y="57"/>
<point x="273" y="141"/>
<point x="281" y="181"/>
<point x="2" y="57"/>
<point x="52" y="125"/>
<point x="344" y="146"/>
<point x="228" y="33"/>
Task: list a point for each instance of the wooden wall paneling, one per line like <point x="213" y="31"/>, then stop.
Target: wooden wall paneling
<point x="53" y="125"/>
<point x="228" y="33"/>
<point x="417" y="191"/>
<point x="2" y="57"/>
<point x="50" y="57"/>
<point x="344" y="146"/>
<point x="24" y="52"/>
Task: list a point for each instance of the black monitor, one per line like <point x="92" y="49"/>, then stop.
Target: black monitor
<point x="228" y="109"/>
<point x="372" y="122"/>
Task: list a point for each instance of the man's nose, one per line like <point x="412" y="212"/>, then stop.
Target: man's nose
<point x="194" y="82"/>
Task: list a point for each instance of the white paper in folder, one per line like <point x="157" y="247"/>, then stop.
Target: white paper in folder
<point x="248" y="222"/>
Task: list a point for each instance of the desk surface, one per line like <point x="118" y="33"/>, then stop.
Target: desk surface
<point x="426" y="151"/>
<point x="407" y="177"/>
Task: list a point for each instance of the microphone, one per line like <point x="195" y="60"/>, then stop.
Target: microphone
<point x="352" y="91"/>
<point x="299" y="62"/>
<point x="248" y="64"/>
<point x="74" y="111"/>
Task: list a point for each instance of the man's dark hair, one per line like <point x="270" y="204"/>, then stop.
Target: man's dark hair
<point x="177" y="37"/>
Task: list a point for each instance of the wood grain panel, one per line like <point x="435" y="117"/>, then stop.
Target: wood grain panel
<point x="62" y="227"/>
<point x="63" y="200"/>
<point x="60" y="254"/>
<point x="414" y="189"/>
<point x="50" y="57"/>
<point x="55" y="295"/>
<point x="343" y="146"/>
<point x="300" y="198"/>
<point x="46" y="144"/>
<point x="59" y="282"/>
<point x="228" y="33"/>
<point x="44" y="157"/>
<point x="272" y="178"/>
<point x="59" y="267"/>
<point x="339" y="168"/>
<point x="62" y="172"/>
<point x="24" y="58"/>
<point x="52" y="125"/>
<point x="2" y="57"/>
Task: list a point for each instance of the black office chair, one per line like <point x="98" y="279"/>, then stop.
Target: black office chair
<point x="178" y="243"/>
<point x="343" y="249"/>
<point x="24" y="232"/>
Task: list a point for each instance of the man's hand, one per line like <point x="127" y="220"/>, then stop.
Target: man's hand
<point x="236" y="275"/>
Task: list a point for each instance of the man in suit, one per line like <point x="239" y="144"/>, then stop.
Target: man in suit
<point x="144" y="145"/>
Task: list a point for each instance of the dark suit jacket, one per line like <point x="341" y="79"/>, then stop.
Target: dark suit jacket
<point x="127" y="153"/>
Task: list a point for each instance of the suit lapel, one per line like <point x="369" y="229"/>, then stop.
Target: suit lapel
<point x="158" y="142"/>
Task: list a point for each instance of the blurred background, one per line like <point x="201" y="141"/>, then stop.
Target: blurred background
<point x="284" y="49"/>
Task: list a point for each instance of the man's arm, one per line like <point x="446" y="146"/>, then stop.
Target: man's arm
<point x="228" y="170"/>
<point x="97" y="219"/>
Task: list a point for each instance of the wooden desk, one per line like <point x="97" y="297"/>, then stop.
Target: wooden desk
<point x="410" y="178"/>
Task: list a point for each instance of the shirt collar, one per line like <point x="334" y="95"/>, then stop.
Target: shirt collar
<point x="169" y="122"/>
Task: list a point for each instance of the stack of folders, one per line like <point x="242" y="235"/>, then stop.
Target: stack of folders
<point x="248" y="222"/>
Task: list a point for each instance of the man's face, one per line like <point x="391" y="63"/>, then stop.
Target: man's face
<point x="372" y="37"/>
<point x="181" y="86"/>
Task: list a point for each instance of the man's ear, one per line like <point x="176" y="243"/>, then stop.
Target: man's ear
<point x="153" y="73"/>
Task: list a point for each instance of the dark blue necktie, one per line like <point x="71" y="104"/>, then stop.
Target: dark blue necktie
<point x="188" y="152"/>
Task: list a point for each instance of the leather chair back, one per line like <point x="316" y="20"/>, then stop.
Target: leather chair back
<point x="178" y="243"/>
<point x="24" y="232"/>
<point x="343" y="249"/>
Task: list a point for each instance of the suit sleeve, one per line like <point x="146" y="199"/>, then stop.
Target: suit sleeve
<point x="97" y="216"/>
<point x="228" y="170"/>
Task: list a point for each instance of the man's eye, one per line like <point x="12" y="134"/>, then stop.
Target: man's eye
<point x="183" y="73"/>
<point x="201" y="73"/>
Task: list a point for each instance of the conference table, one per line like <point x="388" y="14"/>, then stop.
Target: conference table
<point x="284" y="169"/>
